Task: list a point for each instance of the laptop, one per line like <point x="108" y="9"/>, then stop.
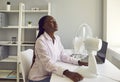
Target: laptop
<point x="101" y="54"/>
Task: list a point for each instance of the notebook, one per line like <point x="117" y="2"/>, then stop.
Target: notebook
<point x="101" y="54"/>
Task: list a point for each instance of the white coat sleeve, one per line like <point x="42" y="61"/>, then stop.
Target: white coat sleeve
<point x="66" y="58"/>
<point x="44" y="57"/>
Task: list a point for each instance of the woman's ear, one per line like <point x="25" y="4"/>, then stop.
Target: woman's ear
<point x="45" y="26"/>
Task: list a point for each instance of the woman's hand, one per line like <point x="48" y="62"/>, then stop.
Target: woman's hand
<point x="82" y="63"/>
<point x="73" y="75"/>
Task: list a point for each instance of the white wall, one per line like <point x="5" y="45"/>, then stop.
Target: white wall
<point x="112" y="30"/>
<point x="71" y="13"/>
<point x="112" y="18"/>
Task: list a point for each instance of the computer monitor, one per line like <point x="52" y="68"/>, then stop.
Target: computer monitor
<point x="101" y="54"/>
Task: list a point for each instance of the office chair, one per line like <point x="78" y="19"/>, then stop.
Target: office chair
<point x="26" y="61"/>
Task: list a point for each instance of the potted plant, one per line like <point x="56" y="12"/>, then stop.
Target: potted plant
<point x="29" y="23"/>
<point x="8" y="5"/>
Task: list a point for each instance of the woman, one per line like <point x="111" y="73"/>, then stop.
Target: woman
<point x="49" y="50"/>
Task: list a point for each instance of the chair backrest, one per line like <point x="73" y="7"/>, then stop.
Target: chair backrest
<point x="26" y="61"/>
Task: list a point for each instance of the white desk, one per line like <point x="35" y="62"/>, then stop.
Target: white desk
<point x="107" y="73"/>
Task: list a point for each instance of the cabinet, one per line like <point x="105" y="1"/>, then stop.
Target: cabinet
<point x="16" y="35"/>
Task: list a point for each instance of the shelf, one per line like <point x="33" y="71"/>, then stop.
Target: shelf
<point x="8" y="74"/>
<point x="11" y="11"/>
<point x="16" y="25"/>
<point x="9" y="59"/>
<point x="29" y="27"/>
<point x="36" y="11"/>
<point x="28" y="43"/>
<point x="7" y="43"/>
<point x="10" y="27"/>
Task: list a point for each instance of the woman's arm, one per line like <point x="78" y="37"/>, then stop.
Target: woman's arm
<point x="73" y="75"/>
<point x="68" y="59"/>
<point x="82" y="63"/>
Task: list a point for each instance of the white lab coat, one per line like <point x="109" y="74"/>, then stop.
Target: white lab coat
<point x="47" y="54"/>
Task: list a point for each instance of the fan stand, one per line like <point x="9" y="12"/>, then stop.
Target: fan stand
<point x="92" y="45"/>
<point x="89" y="71"/>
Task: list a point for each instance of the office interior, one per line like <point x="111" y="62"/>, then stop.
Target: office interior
<point x="102" y="16"/>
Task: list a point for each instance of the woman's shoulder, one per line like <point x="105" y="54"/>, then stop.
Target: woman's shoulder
<point x="40" y="41"/>
<point x="57" y="36"/>
<point x="41" y="38"/>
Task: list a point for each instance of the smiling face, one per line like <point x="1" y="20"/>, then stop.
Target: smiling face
<point x="50" y="25"/>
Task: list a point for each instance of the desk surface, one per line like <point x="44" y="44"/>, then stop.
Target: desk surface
<point x="107" y="72"/>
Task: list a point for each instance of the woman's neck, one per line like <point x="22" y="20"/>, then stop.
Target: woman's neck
<point x="51" y="35"/>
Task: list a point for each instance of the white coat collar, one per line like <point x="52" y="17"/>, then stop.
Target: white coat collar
<point x="47" y="36"/>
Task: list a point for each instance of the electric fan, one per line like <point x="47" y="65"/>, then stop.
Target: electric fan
<point x="84" y="43"/>
<point x="83" y="32"/>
